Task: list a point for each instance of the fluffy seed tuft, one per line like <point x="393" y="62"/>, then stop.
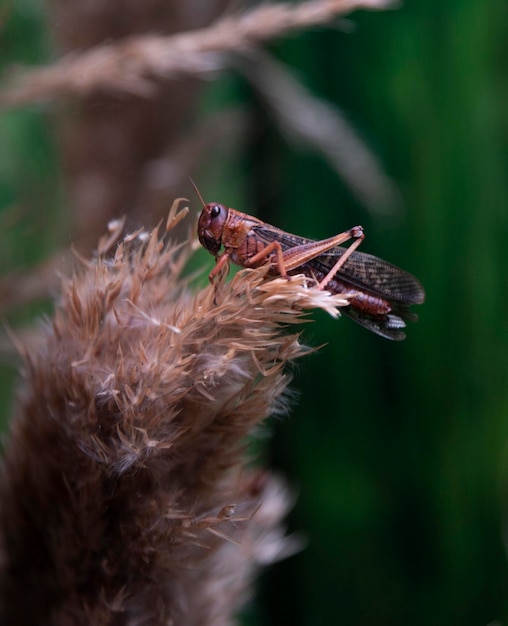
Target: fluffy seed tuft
<point x="127" y="493"/>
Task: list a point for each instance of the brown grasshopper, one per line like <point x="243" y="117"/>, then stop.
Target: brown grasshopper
<point x="379" y="293"/>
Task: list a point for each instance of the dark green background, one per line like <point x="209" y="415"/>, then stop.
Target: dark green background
<point x="398" y="452"/>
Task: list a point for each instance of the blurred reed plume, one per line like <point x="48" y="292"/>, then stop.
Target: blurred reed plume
<point x="127" y="492"/>
<point x="133" y="64"/>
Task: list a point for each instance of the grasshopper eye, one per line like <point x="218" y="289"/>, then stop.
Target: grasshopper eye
<point x="215" y="211"/>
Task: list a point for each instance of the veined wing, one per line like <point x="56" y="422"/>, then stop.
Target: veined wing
<point x="361" y="270"/>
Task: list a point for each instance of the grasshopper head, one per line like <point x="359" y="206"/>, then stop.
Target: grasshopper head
<point x="211" y="225"/>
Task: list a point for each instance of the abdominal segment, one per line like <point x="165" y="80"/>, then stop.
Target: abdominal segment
<point x="361" y="300"/>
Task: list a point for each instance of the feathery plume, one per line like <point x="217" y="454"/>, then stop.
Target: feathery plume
<point x="127" y="492"/>
<point x="132" y="64"/>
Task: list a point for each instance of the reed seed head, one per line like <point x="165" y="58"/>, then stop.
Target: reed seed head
<point x="128" y="495"/>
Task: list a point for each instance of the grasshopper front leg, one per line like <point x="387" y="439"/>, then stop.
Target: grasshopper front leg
<point x="222" y="260"/>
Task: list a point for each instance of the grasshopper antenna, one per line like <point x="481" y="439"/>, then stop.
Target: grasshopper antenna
<point x="197" y="192"/>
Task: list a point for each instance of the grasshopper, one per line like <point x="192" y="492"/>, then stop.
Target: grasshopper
<point x="379" y="293"/>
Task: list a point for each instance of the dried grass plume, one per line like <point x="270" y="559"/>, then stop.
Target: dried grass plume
<point x="127" y="493"/>
<point x="131" y="65"/>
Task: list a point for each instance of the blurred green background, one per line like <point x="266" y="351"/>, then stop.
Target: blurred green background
<point x="397" y="451"/>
